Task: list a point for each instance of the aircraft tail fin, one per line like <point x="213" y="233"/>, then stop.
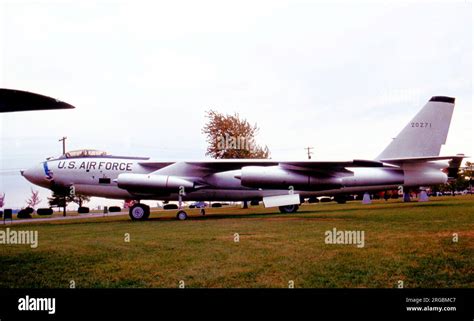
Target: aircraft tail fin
<point x="425" y="133"/>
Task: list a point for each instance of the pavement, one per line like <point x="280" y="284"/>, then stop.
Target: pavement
<point x="60" y="218"/>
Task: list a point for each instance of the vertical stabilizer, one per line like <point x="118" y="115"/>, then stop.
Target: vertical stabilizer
<point x="425" y="133"/>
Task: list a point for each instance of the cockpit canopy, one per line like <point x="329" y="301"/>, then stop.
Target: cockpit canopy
<point x="85" y="153"/>
<point x="91" y="153"/>
<point x="82" y="153"/>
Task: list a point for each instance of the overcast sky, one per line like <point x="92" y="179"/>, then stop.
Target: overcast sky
<point x="342" y="77"/>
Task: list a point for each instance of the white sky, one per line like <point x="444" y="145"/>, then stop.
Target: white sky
<point x="342" y="77"/>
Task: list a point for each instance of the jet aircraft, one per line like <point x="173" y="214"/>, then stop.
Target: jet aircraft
<point x="411" y="160"/>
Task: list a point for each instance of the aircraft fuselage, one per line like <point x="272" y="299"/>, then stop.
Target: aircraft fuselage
<point x="101" y="176"/>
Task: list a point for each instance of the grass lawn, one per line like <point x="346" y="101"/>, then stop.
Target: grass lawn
<point x="409" y="242"/>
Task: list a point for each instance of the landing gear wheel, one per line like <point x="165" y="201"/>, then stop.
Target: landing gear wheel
<point x="202" y="211"/>
<point x="181" y="215"/>
<point x="288" y="209"/>
<point x="340" y="199"/>
<point x="139" y="212"/>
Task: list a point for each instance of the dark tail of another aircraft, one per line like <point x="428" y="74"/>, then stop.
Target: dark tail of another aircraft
<point x="12" y="100"/>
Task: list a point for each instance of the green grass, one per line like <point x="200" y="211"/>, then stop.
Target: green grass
<point x="411" y="242"/>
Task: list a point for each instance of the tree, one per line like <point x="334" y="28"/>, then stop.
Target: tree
<point x="461" y="181"/>
<point x="468" y="173"/>
<point x="458" y="184"/>
<point x="58" y="199"/>
<point x="34" y="199"/>
<point x="229" y="136"/>
<point x="80" y="199"/>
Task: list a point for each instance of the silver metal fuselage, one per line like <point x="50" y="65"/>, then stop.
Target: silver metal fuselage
<point x="99" y="176"/>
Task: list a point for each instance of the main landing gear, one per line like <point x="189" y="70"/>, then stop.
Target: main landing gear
<point x="139" y="212"/>
<point x="287" y="209"/>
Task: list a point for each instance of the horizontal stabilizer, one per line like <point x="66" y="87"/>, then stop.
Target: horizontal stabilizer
<point x="399" y="161"/>
<point x="311" y="165"/>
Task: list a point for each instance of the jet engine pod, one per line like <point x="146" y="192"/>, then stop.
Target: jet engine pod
<point x="374" y="176"/>
<point x="148" y="182"/>
<point x="277" y="177"/>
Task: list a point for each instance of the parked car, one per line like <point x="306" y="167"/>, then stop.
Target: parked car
<point x="44" y="211"/>
<point x="170" y="207"/>
<point x="25" y="213"/>
<point x="325" y="199"/>
<point x="83" y="210"/>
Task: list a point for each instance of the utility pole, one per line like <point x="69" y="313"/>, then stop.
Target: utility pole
<point x="64" y="153"/>
<point x="64" y="144"/>
<point x="309" y="151"/>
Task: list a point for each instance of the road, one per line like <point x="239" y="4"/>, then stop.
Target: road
<point x="60" y="218"/>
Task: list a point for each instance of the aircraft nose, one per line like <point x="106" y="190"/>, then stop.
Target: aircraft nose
<point x="35" y="174"/>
